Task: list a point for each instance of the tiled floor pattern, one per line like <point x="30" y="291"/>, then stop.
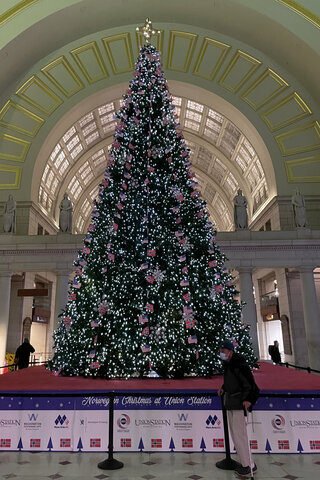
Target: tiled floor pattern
<point x="150" y="466"/>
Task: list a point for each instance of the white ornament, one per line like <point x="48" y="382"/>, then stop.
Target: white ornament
<point x="175" y="190"/>
<point x="187" y="245"/>
<point x="213" y="293"/>
<point x="187" y="317"/>
<point x="134" y="183"/>
<point x="155" y="152"/>
<point x="159" y="333"/>
<point x="158" y="274"/>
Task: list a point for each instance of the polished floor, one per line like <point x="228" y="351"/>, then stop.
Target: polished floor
<point x="150" y="466"/>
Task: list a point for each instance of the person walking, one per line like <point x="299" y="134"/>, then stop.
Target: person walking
<point x="23" y="354"/>
<point x="274" y="352"/>
<point x="238" y="397"/>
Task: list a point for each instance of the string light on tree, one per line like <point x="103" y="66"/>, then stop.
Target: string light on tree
<point x="150" y="292"/>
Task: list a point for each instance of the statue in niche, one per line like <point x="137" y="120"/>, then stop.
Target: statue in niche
<point x="65" y="218"/>
<point x="299" y="210"/>
<point x="9" y="216"/>
<point x="240" y="211"/>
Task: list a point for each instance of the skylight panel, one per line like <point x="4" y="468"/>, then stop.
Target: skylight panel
<point x="76" y="151"/>
<point x="216" y="127"/>
<point x="59" y="159"/>
<point x="44" y="198"/>
<point x="259" y="167"/>
<point x="192" y="125"/>
<point x="86" y="173"/>
<point x="109" y="128"/>
<point x="213" y="136"/>
<point x="245" y="155"/>
<point x="55" y="152"/>
<point x="73" y="142"/>
<point x="45" y="173"/>
<point x="252" y="180"/>
<point x="210" y="193"/>
<point x="177" y="101"/>
<point x="242" y="164"/>
<point x="220" y="206"/>
<point x="232" y="183"/>
<point x="98" y="154"/>
<point x="49" y="179"/>
<point x="89" y="128"/>
<point x="76" y="188"/>
<point x="193" y="116"/>
<point x="87" y="118"/>
<point x="108" y="107"/>
<point x="195" y="106"/>
<point x="63" y="167"/>
<point x="249" y="148"/>
<point x="234" y="131"/>
<point x="99" y="160"/>
<point x="107" y="119"/>
<point x="69" y="134"/>
<point x="213" y="114"/>
<point x="94" y="192"/>
<point x="255" y="172"/>
<point x="86" y="208"/>
<point x="91" y="138"/>
<point x="54" y="185"/>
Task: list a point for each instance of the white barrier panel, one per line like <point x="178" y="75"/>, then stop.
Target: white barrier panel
<point x="170" y="423"/>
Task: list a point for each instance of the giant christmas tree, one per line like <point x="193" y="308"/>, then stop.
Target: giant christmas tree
<point x="149" y="291"/>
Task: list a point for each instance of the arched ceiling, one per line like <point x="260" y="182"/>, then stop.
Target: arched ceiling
<point x="223" y="158"/>
<point x="254" y="63"/>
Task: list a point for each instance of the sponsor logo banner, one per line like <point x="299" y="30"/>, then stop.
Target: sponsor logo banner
<point x="143" y="425"/>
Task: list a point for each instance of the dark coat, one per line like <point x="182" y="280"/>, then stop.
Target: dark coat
<point x="274" y="353"/>
<point x="23" y="353"/>
<point x="238" y="382"/>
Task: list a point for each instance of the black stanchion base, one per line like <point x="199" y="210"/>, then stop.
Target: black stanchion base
<point x="227" y="464"/>
<point x="110" y="464"/>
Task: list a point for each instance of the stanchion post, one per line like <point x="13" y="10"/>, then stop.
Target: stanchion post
<point x="110" y="463"/>
<point x="227" y="463"/>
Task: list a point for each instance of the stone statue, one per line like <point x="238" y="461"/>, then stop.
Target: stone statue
<point x="299" y="210"/>
<point x="65" y="218"/>
<point x="240" y="211"/>
<point x="9" y="216"/>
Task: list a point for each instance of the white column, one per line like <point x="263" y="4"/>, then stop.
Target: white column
<point x="249" y="309"/>
<point x="61" y="294"/>
<point x="5" y="289"/>
<point x="311" y="316"/>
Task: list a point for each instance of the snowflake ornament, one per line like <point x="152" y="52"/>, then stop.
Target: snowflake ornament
<point x="213" y="293"/>
<point x="158" y="333"/>
<point x="134" y="183"/>
<point x="158" y="274"/>
<point x="155" y="152"/>
<point x="187" y="244"/>
<point x="175" y="190"/>
<point x="187" y="316"/>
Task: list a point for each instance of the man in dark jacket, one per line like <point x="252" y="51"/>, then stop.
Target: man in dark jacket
<point x="23" y="354"/>
<point x="274" y="352"/>
<point x="236" y="391"/>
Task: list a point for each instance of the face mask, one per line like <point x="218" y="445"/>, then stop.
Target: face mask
<point x="223" y="356"/>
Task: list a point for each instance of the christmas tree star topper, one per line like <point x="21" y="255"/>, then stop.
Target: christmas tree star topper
<point x="147" y="30"/>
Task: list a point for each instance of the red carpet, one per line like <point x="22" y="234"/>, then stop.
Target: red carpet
<point x="270" y="378"/>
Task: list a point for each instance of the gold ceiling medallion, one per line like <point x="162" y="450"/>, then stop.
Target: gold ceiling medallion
<point x="147" y="31"/>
